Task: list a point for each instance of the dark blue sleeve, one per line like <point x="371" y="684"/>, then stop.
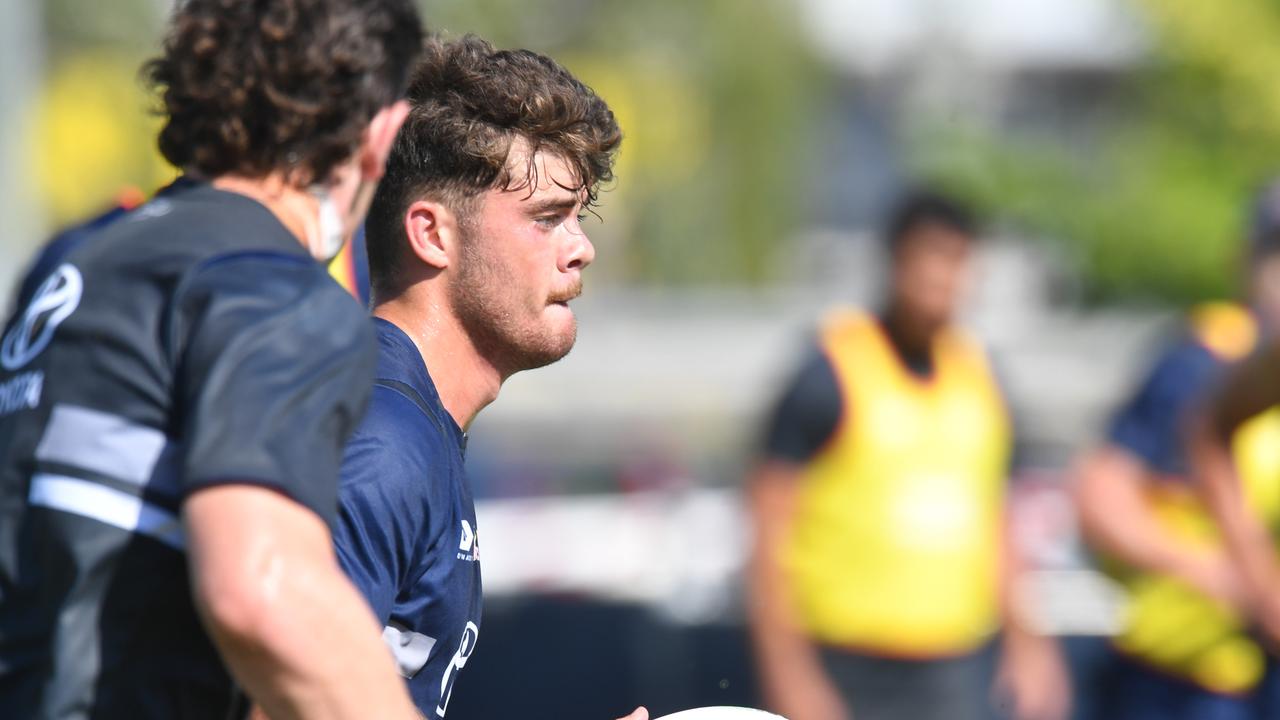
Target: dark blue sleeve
<point x="808" y="412"/>
<point x="1151" y="424"/>
<point x="386" y="522"/>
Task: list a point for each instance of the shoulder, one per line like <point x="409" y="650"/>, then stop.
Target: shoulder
<point x="961" y="339"/>
<point x="1184" y="362"/>
<point x="188" y="223"/>
<point x="1226" y="330"/>
<point x="842" y="323"/>
<point x="398" y="448"/>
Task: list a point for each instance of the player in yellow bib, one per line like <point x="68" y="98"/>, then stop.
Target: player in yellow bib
<point x="1186" y="651"/>
<point x="878" y="579"/>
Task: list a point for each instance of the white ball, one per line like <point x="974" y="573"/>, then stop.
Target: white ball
<point x="721" y="713"/>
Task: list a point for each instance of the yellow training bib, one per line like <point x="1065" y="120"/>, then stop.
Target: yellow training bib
<point x="896" y="539"/>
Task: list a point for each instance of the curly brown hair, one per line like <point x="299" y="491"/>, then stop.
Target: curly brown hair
<point x="470" y="103"/>
<point x="257" y="86"/>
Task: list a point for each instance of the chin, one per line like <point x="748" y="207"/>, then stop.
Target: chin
<point x="560" y="340"/>
<point x="538" y="349"/>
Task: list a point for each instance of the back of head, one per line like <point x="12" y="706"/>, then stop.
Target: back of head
<point x="255" y="88"/>
<point x="470" y="104"/>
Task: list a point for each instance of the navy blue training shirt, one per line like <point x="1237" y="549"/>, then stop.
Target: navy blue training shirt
<point x="1151" y="424"/>
<point x="406" y="532"/>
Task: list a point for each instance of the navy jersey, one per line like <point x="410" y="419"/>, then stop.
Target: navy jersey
<point x="189" y="343"/>
<point x="1151" y="424"/>
<point x="407" y="531"/>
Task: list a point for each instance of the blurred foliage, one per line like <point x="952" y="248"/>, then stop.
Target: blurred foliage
<point x="1157" y="210"/>
<point x="92" y="135"/>
<point x="715" y="99"/>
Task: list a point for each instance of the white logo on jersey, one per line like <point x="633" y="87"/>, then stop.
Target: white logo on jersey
<point x="468" y="537"/>
<point x="153" y="209"/>
<point x="469" y="546"/>
<point x="468" y="644"/>
<point x="57" y="297"/>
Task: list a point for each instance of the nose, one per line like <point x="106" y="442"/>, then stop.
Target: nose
<point x="578" y="253"/>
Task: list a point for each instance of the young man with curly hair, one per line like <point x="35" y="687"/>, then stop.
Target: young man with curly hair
<point x="178" y="386"/>
<point x="475" y="251"/>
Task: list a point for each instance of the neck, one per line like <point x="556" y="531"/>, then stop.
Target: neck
<point x="909" y="335"/>
<point x="465" y="380"/>
<point x="294" y="207"/>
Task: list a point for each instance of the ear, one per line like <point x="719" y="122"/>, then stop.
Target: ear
<point x="379" y="136"/>
<point x="432" y="231"/>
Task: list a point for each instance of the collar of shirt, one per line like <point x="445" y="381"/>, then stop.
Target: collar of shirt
<point x="399" y="360"/>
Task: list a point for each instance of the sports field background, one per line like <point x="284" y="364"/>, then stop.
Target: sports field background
<point x="1110" y="143"/>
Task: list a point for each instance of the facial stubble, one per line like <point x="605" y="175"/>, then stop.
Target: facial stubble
<point x="504" y="325"/>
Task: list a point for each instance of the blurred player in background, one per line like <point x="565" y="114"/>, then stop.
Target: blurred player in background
<point x="178" y="383"/>
<point x="882" y="568"/>
<point x="475" y="251"/>
<point x="1186" y="652"/>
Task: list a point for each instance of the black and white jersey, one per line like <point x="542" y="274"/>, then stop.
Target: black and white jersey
<point x="192" y="342"/>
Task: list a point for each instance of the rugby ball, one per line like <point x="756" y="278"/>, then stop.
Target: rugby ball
<point x="721" y="713"/>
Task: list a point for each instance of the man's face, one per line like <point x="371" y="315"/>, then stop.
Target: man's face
<point x="930" y="274"/>
<point x="520" y="263"/>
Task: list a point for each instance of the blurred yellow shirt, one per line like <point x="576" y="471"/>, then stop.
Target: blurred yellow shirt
<point x="895" y="545"/>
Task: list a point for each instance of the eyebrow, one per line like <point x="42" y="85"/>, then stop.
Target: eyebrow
<point x="560" y="204"/>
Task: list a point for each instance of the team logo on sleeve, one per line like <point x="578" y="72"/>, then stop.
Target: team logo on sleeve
<point x="469" y="545"/>
<point x="55" y="300"/>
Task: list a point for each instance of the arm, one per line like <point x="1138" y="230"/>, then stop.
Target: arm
<point x="794" y="682"/>
<point x="274" y="365"/>
<point x="293" y="631"/>
<point x="1032" y="676"/>
<point x="1116" y="518"/>
<point x="806" y="417"/>
<point x="1251" y="388"/>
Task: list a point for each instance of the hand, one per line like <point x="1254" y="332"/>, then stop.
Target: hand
<point x="638" y="714"/>
<point x="817" y="700"/>
<point x="1032" y="682"/>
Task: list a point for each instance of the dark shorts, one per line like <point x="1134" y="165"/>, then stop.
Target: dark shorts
<point x="1135" y="692"/>
<point x="880" y="688"/>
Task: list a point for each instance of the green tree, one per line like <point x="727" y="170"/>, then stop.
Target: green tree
<point x="715" y="99"/>
<point x="1157" y="209"/>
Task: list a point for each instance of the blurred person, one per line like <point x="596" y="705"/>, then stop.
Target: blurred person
<point x="475" y="251"/>
<point x="1186" y="651"/>
<point x="882" y="567"/>
<point x="179" y="380"/>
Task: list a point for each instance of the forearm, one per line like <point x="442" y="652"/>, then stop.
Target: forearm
<point x="794" y="683"/>
<point x="1247" y="540"/>
<point x="1032" y="678"/>
<point x="315" y="653"/>
<point x="788" y="660"/>
<point x="1117" y="519"/>
<point x="291" y="628"/>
